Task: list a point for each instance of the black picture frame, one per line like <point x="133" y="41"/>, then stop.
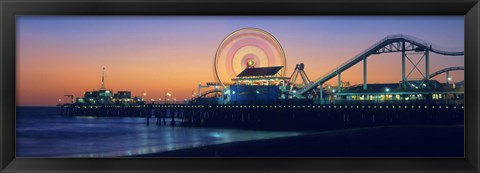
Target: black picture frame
<point x="11" y="8"/>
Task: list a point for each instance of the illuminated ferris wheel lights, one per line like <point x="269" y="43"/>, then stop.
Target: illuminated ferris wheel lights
<point x="247" y="48"/>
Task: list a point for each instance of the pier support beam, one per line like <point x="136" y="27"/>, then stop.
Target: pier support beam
<point x="365" y="73"/>
<point x="339" y="86"/>
<point x="173" y="112"/>
<point x="148" y="120"/>
<point x="403" y="64"/>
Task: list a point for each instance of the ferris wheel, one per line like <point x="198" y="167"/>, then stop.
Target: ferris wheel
<point x="246" y="48"/>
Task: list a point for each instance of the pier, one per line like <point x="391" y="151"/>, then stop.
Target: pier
<point x="279" y="117"/>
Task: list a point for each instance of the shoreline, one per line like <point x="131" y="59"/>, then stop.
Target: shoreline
<point x="382" y="141"/>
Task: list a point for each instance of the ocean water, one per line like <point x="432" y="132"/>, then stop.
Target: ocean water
<point x="43" y="132"/>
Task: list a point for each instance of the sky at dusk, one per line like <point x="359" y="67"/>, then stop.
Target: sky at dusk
<point x="58" y="55"/>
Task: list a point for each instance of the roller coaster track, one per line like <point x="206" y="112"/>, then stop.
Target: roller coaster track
<point x="206" y="93"/>
<point x="391" y="43"/>
<point x="446" y="70"/>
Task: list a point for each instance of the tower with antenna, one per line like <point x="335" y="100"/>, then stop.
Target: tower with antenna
<point x="102" y="88"/>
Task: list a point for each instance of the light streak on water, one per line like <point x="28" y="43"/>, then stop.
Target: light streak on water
<point x="41" y="132"/>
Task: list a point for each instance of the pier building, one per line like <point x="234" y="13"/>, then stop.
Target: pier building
<point x="104" y="96"/>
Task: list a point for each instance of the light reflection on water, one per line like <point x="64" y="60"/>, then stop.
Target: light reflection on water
<point x="41" y="132"/>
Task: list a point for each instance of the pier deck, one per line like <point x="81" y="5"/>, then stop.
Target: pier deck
<point x="278" y="117"/>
